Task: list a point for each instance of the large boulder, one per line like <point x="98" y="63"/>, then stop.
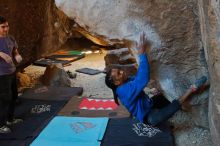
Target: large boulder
<point x="55" y="75"/>
<point x="209" y="11"/>
<point x="176" y="55"/>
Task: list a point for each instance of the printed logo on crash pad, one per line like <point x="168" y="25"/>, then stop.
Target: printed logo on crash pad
<point x="37" y="109"/>
<point x="142" y="129"/>
<point x="79" y="127"/>
<point x="98" y="104"/>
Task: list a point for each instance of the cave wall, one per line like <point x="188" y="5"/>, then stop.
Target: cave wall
<point x="209" y="14"/>
<point x="37" y="25"/>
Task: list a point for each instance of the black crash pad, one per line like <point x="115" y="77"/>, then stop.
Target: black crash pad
<point x="89" y="71"/>
<point x="130" y="132"/>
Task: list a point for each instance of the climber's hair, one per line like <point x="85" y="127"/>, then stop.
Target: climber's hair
<point x="2" y="20"/>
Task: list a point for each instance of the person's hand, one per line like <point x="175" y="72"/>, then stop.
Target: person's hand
<point x="18" y="58"/>
<point x="6" y="57"/>
<point x="143" y="44"/>
<point x="154" y="91"/>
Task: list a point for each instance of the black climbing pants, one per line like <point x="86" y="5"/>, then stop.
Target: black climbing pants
<point x="162" y="110"/>
<point x="8" y="96"/>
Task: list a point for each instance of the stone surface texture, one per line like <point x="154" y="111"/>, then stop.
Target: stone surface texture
<point x="55" y="75"/>
<point x="180" y="36"/>
<point x="209" y="14"/>
<point x="172" y="27"/>
<point x="37" y="25"/>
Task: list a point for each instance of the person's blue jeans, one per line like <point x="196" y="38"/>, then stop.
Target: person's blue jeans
<point x="162" y="110"/>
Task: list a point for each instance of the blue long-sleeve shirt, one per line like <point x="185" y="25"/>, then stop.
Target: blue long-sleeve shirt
<point x="131" y="93"/>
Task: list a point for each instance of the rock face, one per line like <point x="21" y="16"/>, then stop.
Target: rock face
<point x="38" y="26"/>
<point x="55" y="75"/>
<point x="172" y="27"/>
<point x="210" y="29"/>
<point x="181" y="35"/>
<point x="23" y="80"/>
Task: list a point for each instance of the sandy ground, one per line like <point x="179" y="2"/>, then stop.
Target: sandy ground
<point x="93" y="85"/>
<point x="185" y="133"/>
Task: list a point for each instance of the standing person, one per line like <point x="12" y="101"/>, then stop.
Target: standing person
<point x="130" y="91"/>
<point x="9" y="56"/>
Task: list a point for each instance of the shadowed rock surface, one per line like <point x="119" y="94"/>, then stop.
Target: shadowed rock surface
<point x="35" y="27"/>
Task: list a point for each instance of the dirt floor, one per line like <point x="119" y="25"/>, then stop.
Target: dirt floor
<point x="185" y="133"/>
<point x="93" y="85"/>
